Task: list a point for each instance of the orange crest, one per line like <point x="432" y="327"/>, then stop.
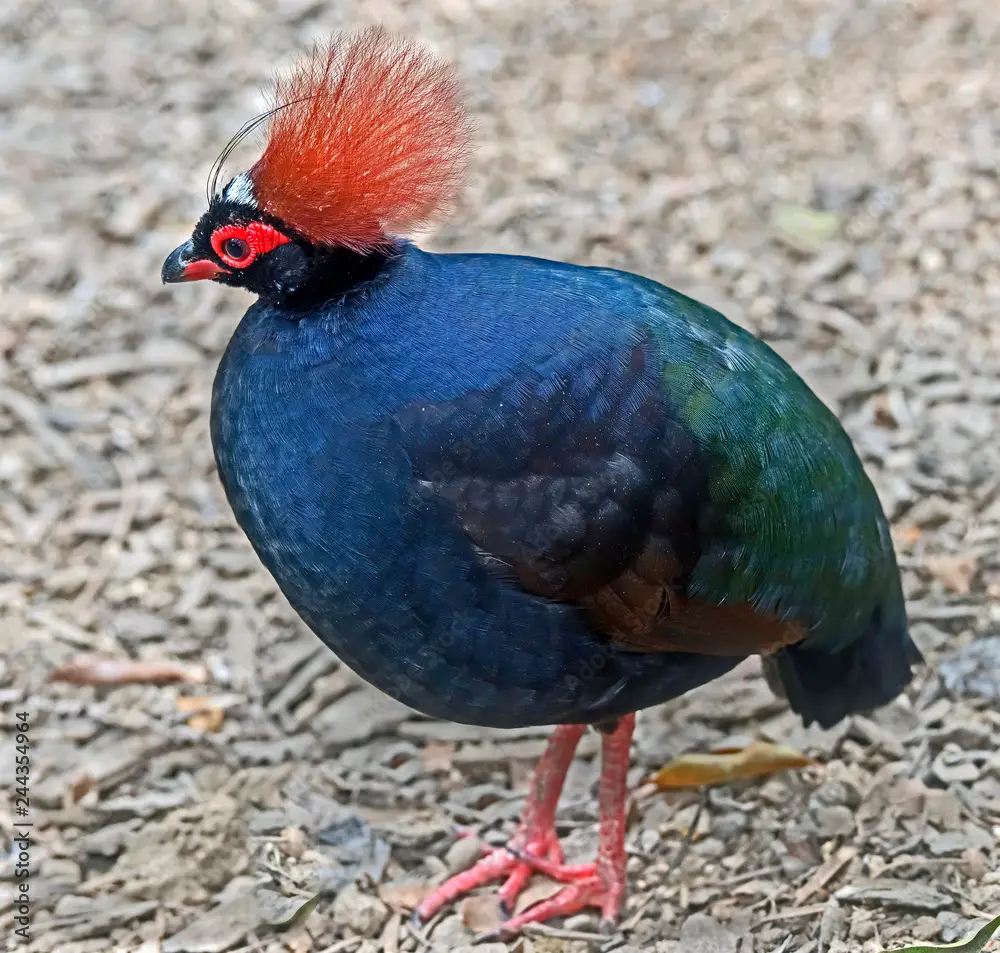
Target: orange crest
<point x="369" y="137"/>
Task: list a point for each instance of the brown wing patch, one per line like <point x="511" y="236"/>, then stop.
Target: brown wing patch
<point x="642" y="611"/>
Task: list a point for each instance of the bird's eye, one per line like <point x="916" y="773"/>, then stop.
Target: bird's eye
<point x="234" y="245"/>
<point x="239" y="245"/>
<point x="236" y="249"/>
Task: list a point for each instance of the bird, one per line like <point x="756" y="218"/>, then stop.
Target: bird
<point x="509" y="491"/>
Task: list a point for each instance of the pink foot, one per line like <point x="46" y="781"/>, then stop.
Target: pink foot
<point x="585" y="888"/>
<point x="535" y="847"/>
<point x="535" y="837"/>
<point x="515" y="862"/>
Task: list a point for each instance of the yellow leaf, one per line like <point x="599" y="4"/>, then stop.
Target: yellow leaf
<point x="210" y="720"/>
<point x="206" y="713"/>
<point x="973" y="944"/>
<point x="758" y="759"/>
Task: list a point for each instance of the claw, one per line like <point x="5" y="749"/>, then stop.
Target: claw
<point x="569" y="900"/>
<point x="493" y="866"/>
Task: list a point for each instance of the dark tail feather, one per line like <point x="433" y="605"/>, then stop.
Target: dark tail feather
<point x="825" y="686"/>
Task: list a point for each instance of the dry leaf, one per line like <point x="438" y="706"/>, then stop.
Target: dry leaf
<point x="481" y="912"/>
<point x="908" y="534"/>
<point x="207" y="712"/>
<point x="406" y="896"/>
<point x="207" y="720"/>
<point x="540" y="888"/>
<point x="89" y="670"/>
<point x="758" y="759"/>
<point x="820" y="877"/>
<point x="955" y="573"/>
<point x="80" y="787"/>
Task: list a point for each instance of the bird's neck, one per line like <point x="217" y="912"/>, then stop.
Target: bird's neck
<point x="330" y="275"/>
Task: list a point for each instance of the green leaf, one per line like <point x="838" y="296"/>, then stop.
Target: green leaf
<point x="805" y="228"/>
<point x="972" y="944"/>
<point x="298" y="916"/>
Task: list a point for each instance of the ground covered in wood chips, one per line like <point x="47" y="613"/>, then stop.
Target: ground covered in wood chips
<point x="823" y="170"/>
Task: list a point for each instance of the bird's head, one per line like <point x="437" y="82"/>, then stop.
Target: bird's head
<point x="366" y="141"/>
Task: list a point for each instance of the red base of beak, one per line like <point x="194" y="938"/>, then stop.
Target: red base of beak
<point x="200" y="270"/>
<point x="182" y="266"/>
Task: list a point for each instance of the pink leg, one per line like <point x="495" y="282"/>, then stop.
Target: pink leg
<point x="534" y="839"/>
<point x="592" y="885"/>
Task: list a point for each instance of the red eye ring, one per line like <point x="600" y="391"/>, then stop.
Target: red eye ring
<point x="258" y="238"/>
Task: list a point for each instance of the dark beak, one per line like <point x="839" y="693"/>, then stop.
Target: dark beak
<point x="181" y="265"/>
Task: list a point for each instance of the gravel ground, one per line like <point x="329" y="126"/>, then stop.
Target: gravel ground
<point x="823" y="170"/>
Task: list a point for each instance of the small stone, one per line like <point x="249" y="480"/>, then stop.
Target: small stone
<point x="450" y="933"/>
<point x="974" y="863"/>
<point x="730" y="825"/>
<point x="955" y="842"/>
<point x="703" y="934"/>
<point x="359" y="911"/>
<point x="292" y="842"/>
<point x="925" y="928"/>
<point x="831" y="924"/>
<point x="775" y="791"/>
<point x="835" y="821"/>
<point x="974" y="670"/>
<point x="462" y="854"/>
<point x="436" y="867"/>
<point x="648" y="839"/>
<point x="794" y="867"/>
<point x="900" y="894"/>
<point x="836" y="793"/>
<point x="830" y="263"/>
<point x="709" y="847"/>
<point x="862" y="925"/>
<point x="232" y="563"/>
<point x="951" y="767"/>
<point x="732" y="261"/>
<point x="60" y="870"/>
<point x="720" y="137"/>
<point x="956" y="927"/>
<point x="709" y="226"/>
<point x="931" y="260"/>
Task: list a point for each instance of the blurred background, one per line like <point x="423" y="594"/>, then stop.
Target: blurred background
<point x="823" y="171"/>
